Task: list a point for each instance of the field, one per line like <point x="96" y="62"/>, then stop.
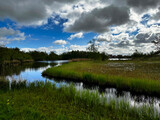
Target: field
<point x="140" y="77"/>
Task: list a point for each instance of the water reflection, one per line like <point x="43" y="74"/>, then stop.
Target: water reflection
<point x="32" y="72"/>
<point x="132" y="99"/>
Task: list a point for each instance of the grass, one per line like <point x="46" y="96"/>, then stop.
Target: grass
<point x="44" y="101"/>
<point x="140" y="80"/>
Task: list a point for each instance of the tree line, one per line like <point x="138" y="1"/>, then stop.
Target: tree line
<point x="84" y="54"/>
<point x="13" y="54"/>
<point x="41" y="56"/>
<point x="8" y="55"/>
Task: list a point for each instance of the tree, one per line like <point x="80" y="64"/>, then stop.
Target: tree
<point x="93" y="47"/>
<point x="157" y="42"/>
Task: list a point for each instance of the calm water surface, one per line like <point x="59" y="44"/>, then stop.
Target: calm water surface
<point x="32" y="72"/>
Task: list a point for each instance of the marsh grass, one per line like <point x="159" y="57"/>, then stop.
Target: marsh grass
<point x="91" y="73"/>
<point x="44" y="101"/>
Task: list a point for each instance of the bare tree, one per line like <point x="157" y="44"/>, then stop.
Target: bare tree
<point x="157" y="42"/>
<point x="93" y="47"/>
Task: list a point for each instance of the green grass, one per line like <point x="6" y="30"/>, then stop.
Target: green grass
<point x="96" y="73"/>
<point x="44" y="101"/>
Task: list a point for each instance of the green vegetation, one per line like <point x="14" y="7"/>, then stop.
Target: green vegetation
<point x="13" y="55"/>
<point x="152" y="56"/>
<point x="83" y="54"/>
<point x="41" y="56"/>
<point x="101" y="73"/>
<point x="44" y="101"/>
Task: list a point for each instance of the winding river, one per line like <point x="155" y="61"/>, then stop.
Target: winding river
<point x="32" y="72"/>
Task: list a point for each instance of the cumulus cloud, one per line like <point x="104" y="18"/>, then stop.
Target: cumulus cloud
<point x="60" y="42"/>
<point x="127" y="42"/>
<point x="57" y="50"/>
<point x="117" y="22"/>
<point x="107" y="37"/>
<point x="30" y="12"/>
<point x="77" y="35"/>
<point x="78" y="47"/>
<point x="98" y="20"/>
<point x="147" y="35"/>
<point x="8" y="35"/>
<point x="155" y="17"/>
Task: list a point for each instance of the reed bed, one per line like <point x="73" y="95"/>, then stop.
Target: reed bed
<point x="44" y="101"/>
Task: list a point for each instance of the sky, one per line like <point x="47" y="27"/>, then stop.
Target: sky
<point x="118" y="26"/>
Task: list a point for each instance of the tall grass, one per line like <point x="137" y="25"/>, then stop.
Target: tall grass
<point x="71" y="71"/>
<point x="43" y="100"/>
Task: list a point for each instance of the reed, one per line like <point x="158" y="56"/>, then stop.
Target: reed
<point x="43" y="100"/>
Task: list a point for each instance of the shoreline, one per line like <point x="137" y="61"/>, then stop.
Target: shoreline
<point x="7" y="62"/>
<point x="134" y="85"/>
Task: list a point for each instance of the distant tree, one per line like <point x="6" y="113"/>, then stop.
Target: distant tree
<point x="92" y="46"/>
<point x="137" y="54"/>
<point x="38" y="56"/>
<point x="16" y="49"/>
<point x="84" y="54"/>
<point x="157" y="42"/>
<point x="53" y="56"/>
<point x="10" y="54"/>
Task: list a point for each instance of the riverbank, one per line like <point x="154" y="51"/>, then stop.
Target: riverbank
<point x="7" y="62"/>
<point x="40" y="100"/>
<point x="104" y="74"/>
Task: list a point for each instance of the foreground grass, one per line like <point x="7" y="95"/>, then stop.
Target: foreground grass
<point x="44" y="101"/>
<point x="96" y="73"/>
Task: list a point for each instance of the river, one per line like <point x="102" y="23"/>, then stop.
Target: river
<point x="32" y="72"/>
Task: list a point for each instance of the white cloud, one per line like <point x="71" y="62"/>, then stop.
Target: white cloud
<point x="29" y="12"/>
<point x="78" y="47"/>
<point x="60" y="42"/>
<point x="116" y="30"/>
<point x="77" y="35"/>
<point x="28" y="49"/>
<point x="125" y="42"/>
<point x="56" y="22"/>
<point x="57" y="50"/>
<point x="8" y="35"/>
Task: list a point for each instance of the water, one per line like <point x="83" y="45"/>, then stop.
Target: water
<point x="32" y="72"/>
<point x="116" y="59"/>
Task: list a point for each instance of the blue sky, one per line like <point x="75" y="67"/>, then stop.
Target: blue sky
<point x="45" y="35"/>
<point x="119" y="26"/>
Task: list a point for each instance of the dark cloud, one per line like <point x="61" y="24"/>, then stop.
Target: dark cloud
<point x="114" y="2"/>
<point x="99" y="20"/>
<point x="122" y="44"/>
<point x="28" y="11"/>
<point x="156" y="16"/>
<point x="142" y="5"/>
<point x="144" y="38"/>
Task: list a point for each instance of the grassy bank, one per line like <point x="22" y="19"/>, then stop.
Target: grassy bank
<point x="6" y="62"/>
<point x="44" y="101"/>
<point x="101" y="74"/>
